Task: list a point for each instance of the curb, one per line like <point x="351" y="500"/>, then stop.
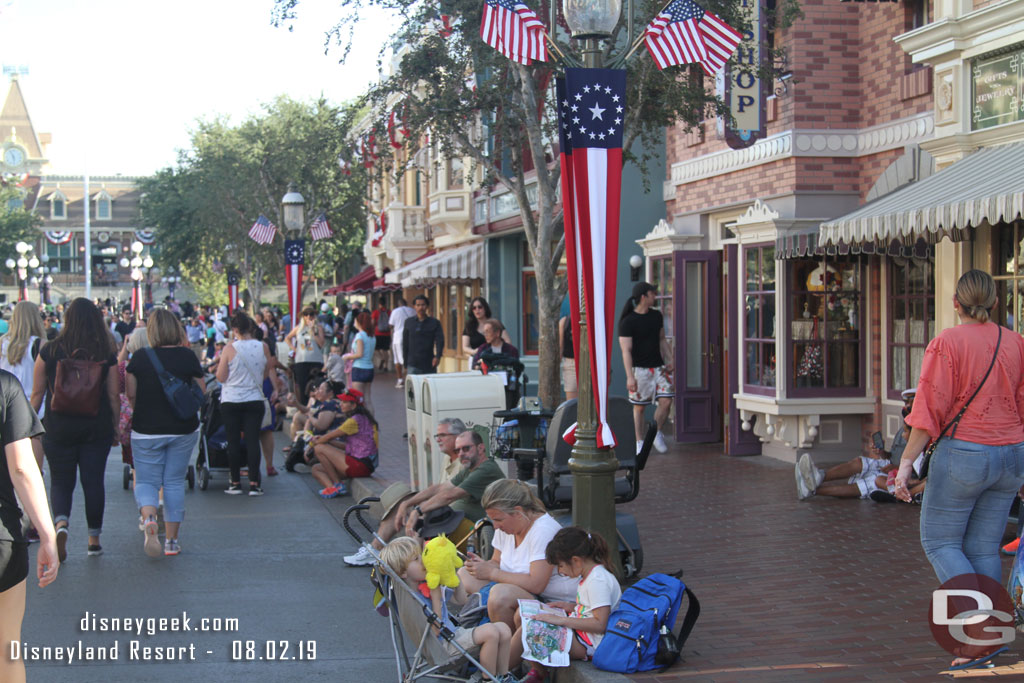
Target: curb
<point x="579" y="672"/>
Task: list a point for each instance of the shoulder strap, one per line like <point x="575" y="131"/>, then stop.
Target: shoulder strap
<point x="155" y="360"/>
<point x="956" y="420"/>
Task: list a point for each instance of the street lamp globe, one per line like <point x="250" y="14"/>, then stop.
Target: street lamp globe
<point x="23" y="262"/>
<point x="147" y="262"/>
<point x="33" y="262"/>
<point x="45" y="257"/>
<point x="136" y="262"/>
<point x="635" y="261"/>
<point x="49" y="279"/>
<point x="136" y="274"/>
<point x="10" y="263"/>
<point x="125" y="262"/>
<point x="592" y="18"/>
<point x="292" y="207"/>
<point x="137" y="247"/>
<point x="22" y="247"/>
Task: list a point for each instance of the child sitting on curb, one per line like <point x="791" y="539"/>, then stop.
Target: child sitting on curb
<point x="404" y="556"/>
<point x="578" y="554"/>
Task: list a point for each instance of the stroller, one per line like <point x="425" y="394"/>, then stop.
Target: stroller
<point x="213" y="443"/>
<point x="515" y="379"/>
<point x="411" y="619"/>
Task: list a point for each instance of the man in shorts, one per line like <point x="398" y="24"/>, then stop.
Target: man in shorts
<point x="399" y="315"/>
<point x="648" y="361"/>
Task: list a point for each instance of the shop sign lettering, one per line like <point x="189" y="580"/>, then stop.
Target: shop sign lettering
<point x="997" y="90"/>
<point x="744" y="91"/>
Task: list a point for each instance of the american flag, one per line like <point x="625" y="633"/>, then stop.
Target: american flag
<point x="263" y="231"/>
<point x="320" y="230"/>
<point x="514" y="30"/>
<point x="683" y="33"/>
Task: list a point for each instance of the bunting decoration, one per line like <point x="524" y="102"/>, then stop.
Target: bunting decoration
<point x="397" y="131"/>
<point x="591" y="110"/>
<point x="446" y="29"/>
<point x="320" y="230"/>
<point x="346" y="168"/>
<point x="233" y="280"/>
<point x="58" y="236"/>
<point x="145" y="236"/>
<point x="294" y="258"/>
<point x="380" y="228"/>
<point x="368" y="149"/>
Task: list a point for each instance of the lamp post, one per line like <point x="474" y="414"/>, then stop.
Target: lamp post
<point x="137" y="263"/>
<point x="171" y="279"/>
<point x="593" y="468"/>
<point x="293" y="212"/>
<point x="23" y="264"/>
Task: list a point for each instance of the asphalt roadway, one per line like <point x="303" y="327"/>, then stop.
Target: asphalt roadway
<point x="272" y="563"/>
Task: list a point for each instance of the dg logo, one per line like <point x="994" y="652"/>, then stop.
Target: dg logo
<point x="971" y="615"/>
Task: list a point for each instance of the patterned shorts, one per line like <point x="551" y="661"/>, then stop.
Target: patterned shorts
<point x="651" y="384"/>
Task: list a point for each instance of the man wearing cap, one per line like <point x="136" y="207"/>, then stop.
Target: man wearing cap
<point x="447" y="430"/>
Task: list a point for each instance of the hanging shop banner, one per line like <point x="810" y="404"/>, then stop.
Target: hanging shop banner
<point x="294" y="259"/>
<point x="233" y="281"/>
<point x="744" y="91"/>
<point x="997" y="84"/>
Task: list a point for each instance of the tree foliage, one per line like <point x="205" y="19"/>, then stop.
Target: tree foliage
<point x="17" y="224"/>
<point x="475" y="102"/>
<point x="204" y="207"/>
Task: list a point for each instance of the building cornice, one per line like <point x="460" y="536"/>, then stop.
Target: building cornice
<point x="946" y="38"/>
<point x="835" y="142"/>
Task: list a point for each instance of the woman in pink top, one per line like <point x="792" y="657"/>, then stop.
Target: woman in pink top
<point x="978" y="465"/>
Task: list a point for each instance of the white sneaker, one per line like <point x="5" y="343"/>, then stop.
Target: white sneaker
<point x="808" y="477"/>
<point x="639" y="447"/>
<point x="659" y="443"/>
<point x="361" y="558"/>
<point x="399" y="384"/>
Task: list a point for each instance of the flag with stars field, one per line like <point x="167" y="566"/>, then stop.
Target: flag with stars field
<point x="294" y="258"/>
<point x="592" y="111"/>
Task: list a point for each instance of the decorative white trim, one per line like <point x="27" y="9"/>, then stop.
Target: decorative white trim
<point x="805" y="143"/>
<point x="984" y="29"/>
<point x="758" y="214"/>
<point x="663" y="239"/>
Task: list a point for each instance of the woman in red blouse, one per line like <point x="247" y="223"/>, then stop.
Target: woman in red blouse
<point x="978" y="465"/>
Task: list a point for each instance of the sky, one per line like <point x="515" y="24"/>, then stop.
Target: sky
<point x="120" y="83"/>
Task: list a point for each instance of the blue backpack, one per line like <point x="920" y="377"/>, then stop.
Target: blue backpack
<point x="635" y="640"/>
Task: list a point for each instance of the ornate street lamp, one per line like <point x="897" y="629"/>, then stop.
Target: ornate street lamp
<point x="293" y="211"/>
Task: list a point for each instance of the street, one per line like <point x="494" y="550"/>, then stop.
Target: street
<point x="271" y="563"/>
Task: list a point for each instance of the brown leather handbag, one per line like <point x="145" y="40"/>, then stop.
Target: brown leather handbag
<point x="78" y="387"/>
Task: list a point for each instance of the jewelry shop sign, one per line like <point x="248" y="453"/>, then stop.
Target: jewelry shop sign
<point x="997" y="89"/>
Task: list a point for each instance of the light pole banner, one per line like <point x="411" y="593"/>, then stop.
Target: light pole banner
<point x="232" y="292"/>
<point x="294" y="258"/>
<point x="591" y="113"/>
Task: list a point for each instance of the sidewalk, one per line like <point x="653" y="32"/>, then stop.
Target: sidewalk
<point x="823" y="589"/>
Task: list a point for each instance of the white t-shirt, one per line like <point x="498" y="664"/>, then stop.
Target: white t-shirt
<point x="397" y="319"/>
<point x="599" y="589"/>
<point x="517" y="560"/>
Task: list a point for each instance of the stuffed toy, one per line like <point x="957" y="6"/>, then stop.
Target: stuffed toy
<point x="440" y="559"/>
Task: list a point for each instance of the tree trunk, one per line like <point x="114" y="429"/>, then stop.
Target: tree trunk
<point x="549" y="300"/>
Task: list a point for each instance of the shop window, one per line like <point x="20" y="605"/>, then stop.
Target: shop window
<point x="759" y="319"/>
<point x="531" y="319"/>
<point x="825" y="327"/>
<point x="911" y="320"/>
<point x="452" y="334"/>
<point x="663" y="279"/>
<point x="58" y="206"/>
<point x="103" y="206"/>
<point x="1009" y="276"/>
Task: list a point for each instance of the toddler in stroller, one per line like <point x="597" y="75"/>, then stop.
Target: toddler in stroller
<point x="442" y="642"/>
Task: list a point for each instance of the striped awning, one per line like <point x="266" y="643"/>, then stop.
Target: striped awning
<point x="986" y="186"/>
<point x="461" y="263"/>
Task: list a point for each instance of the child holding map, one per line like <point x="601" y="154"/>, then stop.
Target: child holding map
<point x="578" y="554"/>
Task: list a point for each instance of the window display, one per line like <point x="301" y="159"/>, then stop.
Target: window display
<point x="759" y="316"/>
<point x="911" y="320"/>
<point x="825" y="324"/>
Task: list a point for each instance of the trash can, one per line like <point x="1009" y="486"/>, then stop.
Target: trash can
<point x="469" y="396"/>
<point x="421" y="435"/>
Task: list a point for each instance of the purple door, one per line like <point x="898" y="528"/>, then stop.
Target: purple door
<point x="698" y="377"/>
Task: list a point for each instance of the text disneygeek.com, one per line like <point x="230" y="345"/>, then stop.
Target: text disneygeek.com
<point x="136" y="650"/>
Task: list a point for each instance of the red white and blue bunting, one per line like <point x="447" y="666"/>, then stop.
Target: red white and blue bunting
<point x="145" y="236"/>
<point x="58" y="236"/>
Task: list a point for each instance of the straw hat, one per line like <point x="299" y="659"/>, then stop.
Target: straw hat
<point x="392" y="496"/>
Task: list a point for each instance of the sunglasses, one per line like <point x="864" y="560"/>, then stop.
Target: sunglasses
<point x="466" y="449"/>
<point x="478" y="308"/>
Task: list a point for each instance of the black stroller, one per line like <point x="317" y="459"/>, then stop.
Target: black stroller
<point x="515" y="380"/>
<point x="213" y="443"/>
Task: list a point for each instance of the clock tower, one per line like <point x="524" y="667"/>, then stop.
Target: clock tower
<point x="21" y="149"/>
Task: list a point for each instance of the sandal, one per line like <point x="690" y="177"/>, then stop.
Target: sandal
<point x="980" y="662"/>
<point x="271" y="472"/>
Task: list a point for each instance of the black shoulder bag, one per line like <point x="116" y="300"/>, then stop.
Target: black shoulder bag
<point x="956" y="420"/>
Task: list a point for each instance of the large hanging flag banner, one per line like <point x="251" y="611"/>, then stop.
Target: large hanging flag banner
<point x="233" y="280"/>
<point x="294" y="258"/>
<point x="263" y="231"/>
<point x="592" y="105"/>
<point x="684" y="33"/>
<point x="514" y="30"/>
<point x="397" y="131"/>
<point x="320" y="230"/>
<point x="58" y="236"/>
<point x="380" y="228"/>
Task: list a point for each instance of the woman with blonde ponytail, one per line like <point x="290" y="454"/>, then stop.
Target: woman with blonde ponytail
<point x="20" y="346"/>
<point x="971" y="398"/>
<point x="519" y="568"/>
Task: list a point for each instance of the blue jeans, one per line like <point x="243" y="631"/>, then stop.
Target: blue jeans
<point x="163" y="461"/>
<point x="970" y="489"/>
<point x="89" y="462"/>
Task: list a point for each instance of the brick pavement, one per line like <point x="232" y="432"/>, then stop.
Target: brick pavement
<point x="823" y="589"/>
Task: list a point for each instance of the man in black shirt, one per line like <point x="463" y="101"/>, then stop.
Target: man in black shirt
<point x="126" y="325"/>
<point x="422" y="340"/>
<point x="648" y="361"/>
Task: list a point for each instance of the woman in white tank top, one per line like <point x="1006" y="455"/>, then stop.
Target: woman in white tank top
<point x="244" y="363"/>
<point x="23" y="340"/>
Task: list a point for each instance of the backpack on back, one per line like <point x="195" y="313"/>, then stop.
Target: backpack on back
<point x="639" y="635"/>
<point x="383" y="325"/>
<point x="78" y="387"/>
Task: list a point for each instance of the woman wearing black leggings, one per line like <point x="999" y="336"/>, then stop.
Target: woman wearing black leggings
<point x="244" y="363"/>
